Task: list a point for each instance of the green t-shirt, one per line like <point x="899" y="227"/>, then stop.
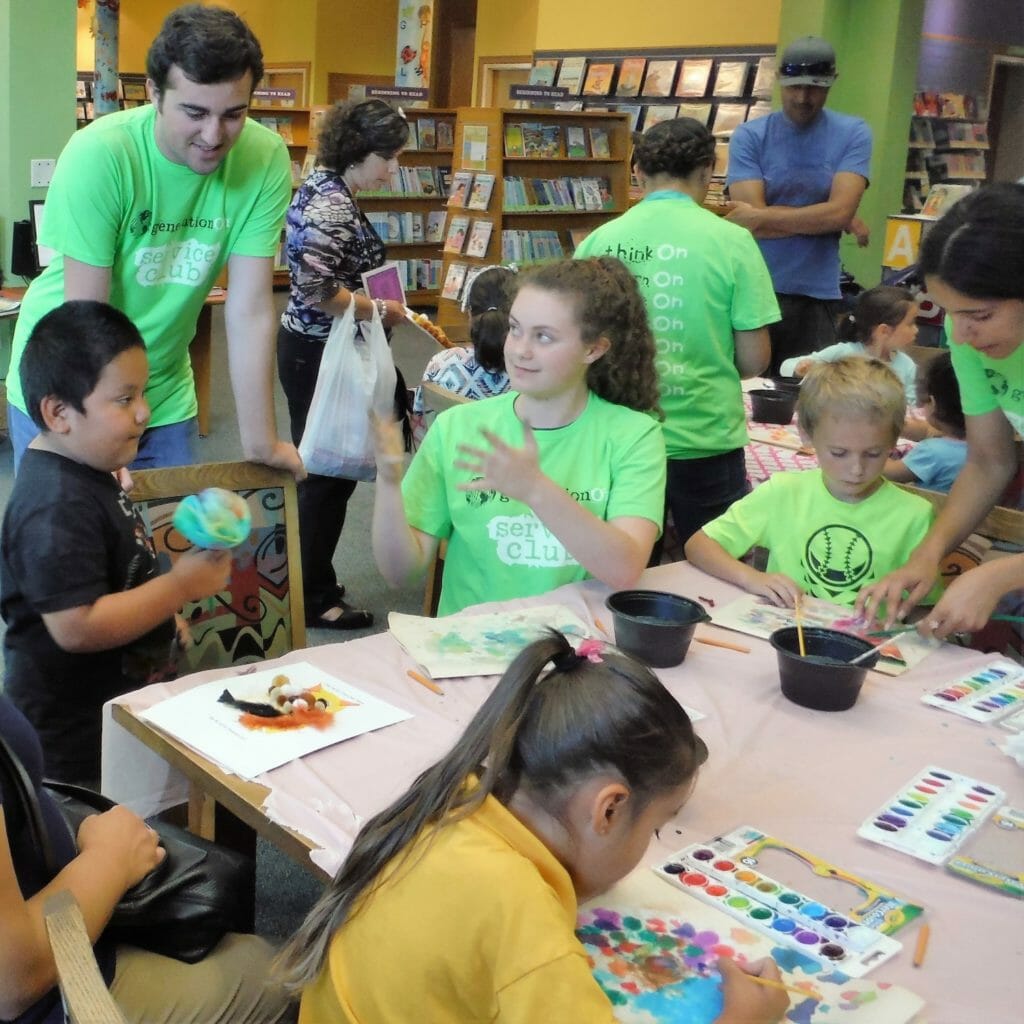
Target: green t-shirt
<point x="702" y="278"/>
<point x="989" y="384"/>
<point x="610" y="459"/>
<point x="116" y="201"/>
<point x="831" y="548"/>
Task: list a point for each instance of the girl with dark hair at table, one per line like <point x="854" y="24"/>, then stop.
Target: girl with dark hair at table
<point x="471" y="879"/>
<point x="709" y="297"/>
<point x="329" y="246"/>
<point x="972" y="261"/>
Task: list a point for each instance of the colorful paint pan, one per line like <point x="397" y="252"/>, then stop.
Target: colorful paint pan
<point x="986" y="695"/>
<point x="933" y="814"/>
<point x="724" y="872"/>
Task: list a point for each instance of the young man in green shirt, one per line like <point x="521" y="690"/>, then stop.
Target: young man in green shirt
<point x="145" y="209"/>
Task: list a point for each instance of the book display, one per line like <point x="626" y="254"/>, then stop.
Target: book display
<point x="947" y="144"/>
<point x="550" y="177"/>
<point x="412" y="209"/>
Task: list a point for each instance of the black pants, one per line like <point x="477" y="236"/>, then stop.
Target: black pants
<point x="323" y="500"/>
<point x="807" y="325"/>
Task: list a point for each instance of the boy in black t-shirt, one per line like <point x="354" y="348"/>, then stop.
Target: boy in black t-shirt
<point x="88" y="615"/>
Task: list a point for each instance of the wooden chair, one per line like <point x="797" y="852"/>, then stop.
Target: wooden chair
<point x="86" y="996"/>
<point x="261" y="615"/>
<point x="1001" y="524"/>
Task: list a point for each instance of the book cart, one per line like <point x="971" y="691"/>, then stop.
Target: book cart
<point x="410" y="215"/>
<point x="528" y="187"/>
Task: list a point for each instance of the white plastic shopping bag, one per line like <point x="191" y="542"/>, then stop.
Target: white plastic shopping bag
<point x="357" y="374"/>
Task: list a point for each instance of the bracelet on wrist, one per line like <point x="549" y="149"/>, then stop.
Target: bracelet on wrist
<point x="382" y="308"/>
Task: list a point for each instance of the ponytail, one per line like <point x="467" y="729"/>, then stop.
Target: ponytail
<point x="876" y="306"/>
<point x="544" y="730"/>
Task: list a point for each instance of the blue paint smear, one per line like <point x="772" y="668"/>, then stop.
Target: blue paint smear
<point x="694" y="1000"/>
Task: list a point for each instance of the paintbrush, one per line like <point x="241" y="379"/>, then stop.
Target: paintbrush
<point x="770" y="983"/>
<point x="799" y="615"/>
<point x="900" y="630"/>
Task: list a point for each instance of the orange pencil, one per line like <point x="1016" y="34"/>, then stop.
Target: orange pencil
<point x="601" y="626"/>
<point x="921" y="949"/>
<point x="722" y="643"/>
<point x="424" y="681"/>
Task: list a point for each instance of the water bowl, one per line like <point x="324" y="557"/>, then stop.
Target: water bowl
<point x="822" y="679"/>
<point x="772" y="406"/>
<point x="654" y="625"/>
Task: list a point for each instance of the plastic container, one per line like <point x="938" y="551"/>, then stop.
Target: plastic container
<point x="771" y="406"/>
<point x="790" y="385"/>
<point x="821" y="680"/>
<point x="654" y="625"/>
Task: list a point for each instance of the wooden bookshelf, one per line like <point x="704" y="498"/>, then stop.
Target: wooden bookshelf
<point x="493" y="160"/>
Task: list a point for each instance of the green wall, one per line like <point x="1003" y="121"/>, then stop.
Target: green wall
<point x="37" y="101"/>
<point x="877" y="44"/>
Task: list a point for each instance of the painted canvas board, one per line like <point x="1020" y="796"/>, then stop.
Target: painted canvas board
<point x="215" y="730"/>
<point x="753" y="615"/>
<point x="479" y="645"/>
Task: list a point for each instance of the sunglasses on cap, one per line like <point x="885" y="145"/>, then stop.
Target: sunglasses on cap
<point x="819" y="69"/>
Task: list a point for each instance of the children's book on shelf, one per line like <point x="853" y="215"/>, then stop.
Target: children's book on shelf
<point x="921" y="133"/>
<point x="631" y="73"/>
<point x="632" y="110"/>
<point x="426" y="129"/>
<point x="480" y="194"/>
<point x="727" y="117"/>
<point x="764" y="78"/>
<point x="550" y="141"/>
<point x="413" y="142"/>
<point x="474" y="147"/>
<point x="731" y="78"/>
<point x="951" y="104"/>
<point x="661" y="74"/>
<point x="570" y="74"/>
<point x="445" y="134"/>
<point x="284" y="129"/>
<point x="694" y="76"/>
<point x="543" y="71"/>
<point x="455" y="240"/>
<point x="698" y="111"/>
<point x="762" y="108"/>
<point x="478" y="238"/>
<point x="575" y="142"/>
<point x="453" y="281"/>
<point x="600" y="149"/>
<point x="435" y="226"/>
<point x="461" y="183"/>
<point x="655" y="113"/>
<point x="943" y="196"/>
<point x="592" y="198"/>
<point x="599" y="79"/>
<point x="515" y="145"/>
<point x="427" y="181"/>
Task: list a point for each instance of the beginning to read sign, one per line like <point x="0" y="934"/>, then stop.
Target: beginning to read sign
<point x="273" y="94"/>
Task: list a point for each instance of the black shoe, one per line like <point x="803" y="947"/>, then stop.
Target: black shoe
<point x="350" y="618"/>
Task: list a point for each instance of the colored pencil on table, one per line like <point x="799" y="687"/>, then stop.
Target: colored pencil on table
<point x="722" y="643"/>
<point x="921" y="949"/>
<point x="601" y="626"/>
<point x="424" y="681"/>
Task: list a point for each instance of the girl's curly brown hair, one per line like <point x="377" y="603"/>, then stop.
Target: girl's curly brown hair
<point x="352" y="131"/>
<point x="608" y="304"/>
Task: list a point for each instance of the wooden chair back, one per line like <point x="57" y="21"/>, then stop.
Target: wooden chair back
<point x="86" y="995"/>
<point x="261" y="614"/>
<point x="1002" y="524"/>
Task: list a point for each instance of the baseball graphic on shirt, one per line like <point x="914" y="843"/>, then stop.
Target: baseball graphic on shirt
<point x="836" y="558"/>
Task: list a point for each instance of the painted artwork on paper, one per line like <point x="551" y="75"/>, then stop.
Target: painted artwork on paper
<point x="479" y="645"/>
<point x="657" y="967"/>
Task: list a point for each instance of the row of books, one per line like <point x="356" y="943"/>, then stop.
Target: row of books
<point x="416" y="181"/>
<point x="530" y="246"/>
<point x="459" y="280"/>
<point x="430" y="133"/>
<point x="722" y="118"/>
<point x="544" y="141"/>
<point x="936" y="134"/>
<point x="950" y="104"/>
<point x="462" y="238"/>
<point x="419" y="275"/>
<point x="472" y="191"/>
<point x="281" y="125"/>
<point x="638" y="76"/>
<point x="961" y="164"/>
<point x="587" y="194"/>
<point x="403" y="227"/>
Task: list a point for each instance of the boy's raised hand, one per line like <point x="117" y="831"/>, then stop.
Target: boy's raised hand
<point x="202" y="573"/>
<point x="746" y="1002"/>
<point x="778" y="588"/>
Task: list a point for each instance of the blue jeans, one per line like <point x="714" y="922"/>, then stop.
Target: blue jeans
<point x="171" y="445"/>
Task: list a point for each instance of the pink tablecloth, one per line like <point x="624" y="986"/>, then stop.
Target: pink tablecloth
<point x="807" y="777"/>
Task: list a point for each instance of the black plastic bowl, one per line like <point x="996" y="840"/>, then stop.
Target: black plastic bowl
<point x="791" y="385"/>
<point x="821" y="680"/>
<point x="653" y="625"/>
<point x="771" y="406"/>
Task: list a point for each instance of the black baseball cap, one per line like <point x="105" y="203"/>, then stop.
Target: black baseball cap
<point x="808" y="61"/>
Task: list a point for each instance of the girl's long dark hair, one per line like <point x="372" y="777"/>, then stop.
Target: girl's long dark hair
<point x="490" y="299"/>
<point x="881" y="305"/>
<point x="608" y="304"/>
<point x="554" y="720"/>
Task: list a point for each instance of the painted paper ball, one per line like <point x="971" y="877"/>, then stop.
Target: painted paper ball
<point x="213" y="519"/>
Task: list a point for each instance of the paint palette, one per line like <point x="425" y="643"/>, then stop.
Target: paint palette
<point x="933" y="814"/>
<point x="986" y="695"/>
<point x="722" y="872"/>
<point x="995" y="856"/>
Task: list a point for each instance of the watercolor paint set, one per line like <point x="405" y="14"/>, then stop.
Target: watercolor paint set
<point x="986" y="695"/>
<point x="994" y="857"/>
<point x="933" y="814"/>
<point x="725" y="873"/>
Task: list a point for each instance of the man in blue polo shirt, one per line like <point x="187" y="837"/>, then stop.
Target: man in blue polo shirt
<point x="795" y="180"/>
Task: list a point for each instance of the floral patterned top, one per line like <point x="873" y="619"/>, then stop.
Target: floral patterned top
<point x="329" y="244"/>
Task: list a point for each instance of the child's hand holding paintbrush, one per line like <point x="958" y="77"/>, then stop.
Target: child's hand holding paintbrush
<point x="753" y="993"/>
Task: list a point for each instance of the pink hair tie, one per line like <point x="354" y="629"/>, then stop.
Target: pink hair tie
<point x="590" y="649"/>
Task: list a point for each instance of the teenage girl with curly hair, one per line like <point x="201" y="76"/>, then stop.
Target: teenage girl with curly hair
<point x="710" y="298"/>
<point x="560" y="478"/>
